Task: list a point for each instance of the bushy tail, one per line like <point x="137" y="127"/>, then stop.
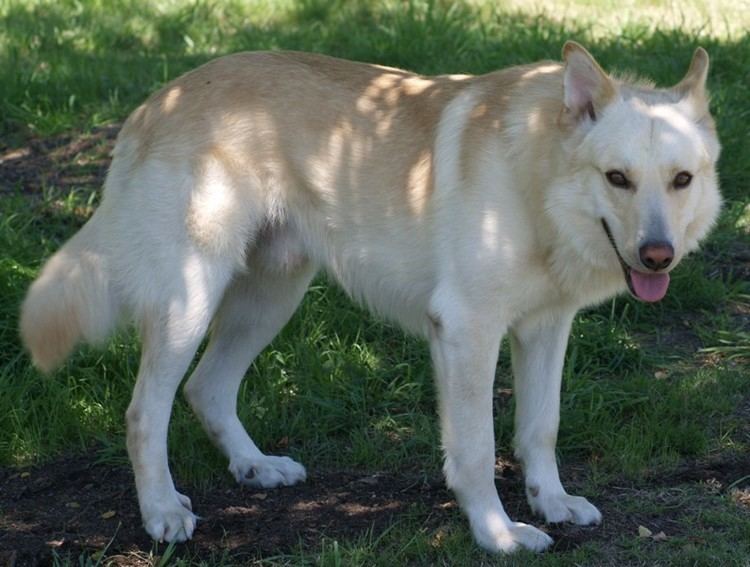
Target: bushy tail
<point x="71" y="300"/>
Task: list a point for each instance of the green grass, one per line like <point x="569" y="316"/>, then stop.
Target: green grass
<point x="70" y="67"/>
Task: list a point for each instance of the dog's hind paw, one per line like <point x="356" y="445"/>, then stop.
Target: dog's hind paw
<point x="170" y="520"/>
<point x="565" y="508"/>
<point x="268" y="472"/>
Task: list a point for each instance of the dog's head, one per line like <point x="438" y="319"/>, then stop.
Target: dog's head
<point x="643" y="182"/>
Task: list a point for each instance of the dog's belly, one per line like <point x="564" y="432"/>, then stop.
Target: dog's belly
<point x="392" y="276"/>
<point x="386" y="276"/>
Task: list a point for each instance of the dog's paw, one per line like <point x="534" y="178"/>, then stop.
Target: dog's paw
<point x="511" y="538"/>
<point x="268" y="472"/>
<point x="529" y="537"/>
<point x="169" y="519"/>
<point x="496" y="534"/>
<point x="562" y="507"/>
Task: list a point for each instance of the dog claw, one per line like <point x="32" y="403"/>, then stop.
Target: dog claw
<point x="185" y="501"/>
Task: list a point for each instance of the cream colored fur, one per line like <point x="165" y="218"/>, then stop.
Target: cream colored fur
<point x="463" y="208"/>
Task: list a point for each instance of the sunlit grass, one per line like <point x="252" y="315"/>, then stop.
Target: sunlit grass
<point x="724" y="19"/>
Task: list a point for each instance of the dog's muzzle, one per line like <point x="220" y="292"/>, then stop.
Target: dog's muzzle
<point x="644" y="286"/>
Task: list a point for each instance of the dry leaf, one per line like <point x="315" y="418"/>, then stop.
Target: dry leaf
<point x="643" y="531"/>
<point x="439" y="536"/>
<point x="25" y="474"/>
<point x="73" y="505"/>
<point x="108" y="514"/>
<point x="661" y="536"/>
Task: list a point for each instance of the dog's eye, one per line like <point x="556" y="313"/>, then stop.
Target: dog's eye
<point x="682" y="180"/>
<point x="618" y="179"/>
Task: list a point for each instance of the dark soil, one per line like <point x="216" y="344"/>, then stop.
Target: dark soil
<point x="72" y="505"/>
<point x="66" y="161"/>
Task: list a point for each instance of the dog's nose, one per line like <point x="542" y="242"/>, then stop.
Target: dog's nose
<point x="656" y="255"/>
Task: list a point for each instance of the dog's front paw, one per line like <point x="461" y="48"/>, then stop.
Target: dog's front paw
<point x="495" y="534"/>
<point x="169" y="518"/>
<point x="268" y="472"/>
<point x="562" y="507"/>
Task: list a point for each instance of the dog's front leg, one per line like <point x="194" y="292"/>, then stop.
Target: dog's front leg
<point x="538" y="349"/>
<point x="464" y="345"/>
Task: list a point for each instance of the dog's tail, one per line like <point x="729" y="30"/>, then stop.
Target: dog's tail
<point x="71" y="300"/>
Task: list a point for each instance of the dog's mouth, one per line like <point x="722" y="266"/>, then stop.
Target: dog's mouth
<point x="644" y="286"/>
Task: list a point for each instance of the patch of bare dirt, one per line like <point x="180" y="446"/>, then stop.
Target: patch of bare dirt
<point x="66" y="161"/>
<point x="72" y="505"/>
<point x="721" y="471"/>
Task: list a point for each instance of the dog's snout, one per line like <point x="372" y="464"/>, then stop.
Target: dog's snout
<point x="656" y="255"/>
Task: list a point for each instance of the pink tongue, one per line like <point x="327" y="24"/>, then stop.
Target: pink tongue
<point x="649" y="287"/>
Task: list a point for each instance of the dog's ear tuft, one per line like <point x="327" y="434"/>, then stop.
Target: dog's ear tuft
<point x="587" y="88"/>
<point x="692" y="87"/>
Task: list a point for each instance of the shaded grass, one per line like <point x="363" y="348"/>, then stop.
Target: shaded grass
<point x="364" y="386"/>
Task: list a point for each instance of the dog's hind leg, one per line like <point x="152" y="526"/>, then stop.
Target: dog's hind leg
<point x="171" y="332"/>
<point x="254" y="309"/>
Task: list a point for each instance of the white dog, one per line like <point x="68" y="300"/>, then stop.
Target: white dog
<point x="462" y="207"/>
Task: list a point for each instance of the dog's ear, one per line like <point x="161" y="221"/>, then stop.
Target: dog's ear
<point x="692" y="87"/>
<point x="587" y="88"/>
